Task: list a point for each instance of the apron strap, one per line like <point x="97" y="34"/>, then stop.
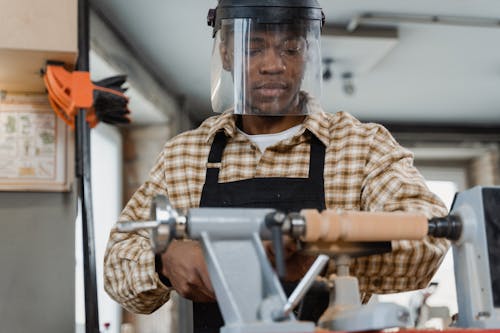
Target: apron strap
<point x="316" y="160"/>
<point x="215" y="156"/>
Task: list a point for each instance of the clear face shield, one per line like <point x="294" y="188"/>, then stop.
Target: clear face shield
<point x="266" y="69"/>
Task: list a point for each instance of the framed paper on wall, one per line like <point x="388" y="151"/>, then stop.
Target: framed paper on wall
<point x="36" y="147"/>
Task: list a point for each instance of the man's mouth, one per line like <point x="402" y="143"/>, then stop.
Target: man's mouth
<point x="271" y="89"/>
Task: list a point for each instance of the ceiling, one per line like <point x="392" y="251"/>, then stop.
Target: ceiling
<point x="430" y="73"/>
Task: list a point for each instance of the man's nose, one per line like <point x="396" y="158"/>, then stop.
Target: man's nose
<point x="272" y="62"/>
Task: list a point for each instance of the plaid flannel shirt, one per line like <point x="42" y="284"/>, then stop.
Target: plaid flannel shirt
<point x="365" y="169"/>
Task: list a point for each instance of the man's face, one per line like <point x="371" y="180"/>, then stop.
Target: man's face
<point x="274" y="64"/>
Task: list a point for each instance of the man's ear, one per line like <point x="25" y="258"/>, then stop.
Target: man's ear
<point x="226" y="56"/>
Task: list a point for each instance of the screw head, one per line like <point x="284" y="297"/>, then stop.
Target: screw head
<point x="403" y="316"/>
<point x="279" y="217"/>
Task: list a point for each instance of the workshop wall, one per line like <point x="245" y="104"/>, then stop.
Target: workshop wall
<point x="141" y="146"/>
<point x="37" y="250"/>
<point x="37" y="260"/>
<point x="485" y="169"/>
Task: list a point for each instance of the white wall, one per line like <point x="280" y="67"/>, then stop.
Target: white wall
<point x="106" y="159"/>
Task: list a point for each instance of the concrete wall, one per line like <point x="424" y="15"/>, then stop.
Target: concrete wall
<point x="37" y="262"/>
<point x="485" y="169"/>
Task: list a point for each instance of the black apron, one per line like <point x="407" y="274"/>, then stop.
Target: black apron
<point x="284" y="194"/>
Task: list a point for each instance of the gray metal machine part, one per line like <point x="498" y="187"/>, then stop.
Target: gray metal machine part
<point x="476" y="257"/>
<point x="249" y="292"/>
<point x="345" y="311"/>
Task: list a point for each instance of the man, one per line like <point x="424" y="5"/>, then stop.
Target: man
<point x="272" y="146"/>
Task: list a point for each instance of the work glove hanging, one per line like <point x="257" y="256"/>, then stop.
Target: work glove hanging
<point x="70" y="91"/>
<point x="110" y="103"/>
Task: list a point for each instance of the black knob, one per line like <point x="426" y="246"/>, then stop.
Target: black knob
<point x="449" y="227"/>
<point x="274" y="221"/>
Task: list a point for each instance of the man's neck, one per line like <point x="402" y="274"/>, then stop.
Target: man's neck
<point x="268" y="124"/>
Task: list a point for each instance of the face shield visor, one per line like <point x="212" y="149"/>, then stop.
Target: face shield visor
<point x="266" y="69"/>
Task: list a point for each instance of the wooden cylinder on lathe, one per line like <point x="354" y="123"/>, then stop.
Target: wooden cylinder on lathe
<point x="353" y="226"/>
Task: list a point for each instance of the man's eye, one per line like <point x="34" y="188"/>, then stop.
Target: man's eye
<point x="293" y="47"/>
<point x="292" y="50"/>
<point x="254" y="51"/>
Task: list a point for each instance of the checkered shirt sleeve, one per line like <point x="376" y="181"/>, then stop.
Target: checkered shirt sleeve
<point x="130" y="277"/>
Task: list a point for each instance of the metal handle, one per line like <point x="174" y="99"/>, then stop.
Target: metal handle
<point x="302" y="287"/>
<point x="165" y="224"/>
<point x="127" y="226"/>
<point x="274" y="221"/>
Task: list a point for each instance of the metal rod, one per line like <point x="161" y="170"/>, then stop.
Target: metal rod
<point x="305" y="284"/>
<point x="127" y="226"/>
<point x="82" y="164"/>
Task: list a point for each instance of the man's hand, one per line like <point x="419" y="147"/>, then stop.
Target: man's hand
<point x="185" y="267"/>
<point x="296" y="263"/>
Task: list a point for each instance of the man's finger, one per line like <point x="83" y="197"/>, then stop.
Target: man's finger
<point x="205" y="279"/>
<point x="198" y="295"/>
<point x="194" y="289"/>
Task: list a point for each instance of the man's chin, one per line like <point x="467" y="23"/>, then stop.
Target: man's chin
<point x="276" y="111"/>
<point x="275" y="108"/>
<point x="266" y="112"/>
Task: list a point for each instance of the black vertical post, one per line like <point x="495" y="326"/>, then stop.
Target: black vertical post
<point x="82" y="164"/>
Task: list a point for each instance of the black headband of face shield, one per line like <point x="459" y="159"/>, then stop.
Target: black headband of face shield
<point x="266" y="11"/>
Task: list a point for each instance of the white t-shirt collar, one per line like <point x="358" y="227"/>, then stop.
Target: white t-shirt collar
<point x="266" y="140"/>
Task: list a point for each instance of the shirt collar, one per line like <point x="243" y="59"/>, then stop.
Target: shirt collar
<point x="316" y="122"/>
<point x="226" y="122"/>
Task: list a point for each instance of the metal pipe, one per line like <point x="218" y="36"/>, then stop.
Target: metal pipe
<point x="388" y="18"/>
<point x="128" y="226"/>
<point x="82" y="164"/>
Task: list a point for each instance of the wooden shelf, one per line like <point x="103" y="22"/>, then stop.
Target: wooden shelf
<point x="33" y="32"/>
<point x="20" y="69"/>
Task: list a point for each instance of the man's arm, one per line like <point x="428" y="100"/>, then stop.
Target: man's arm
<point x="392" y="183"/>
<point x="130" y="276"/>
<point x="133" y="276"/>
